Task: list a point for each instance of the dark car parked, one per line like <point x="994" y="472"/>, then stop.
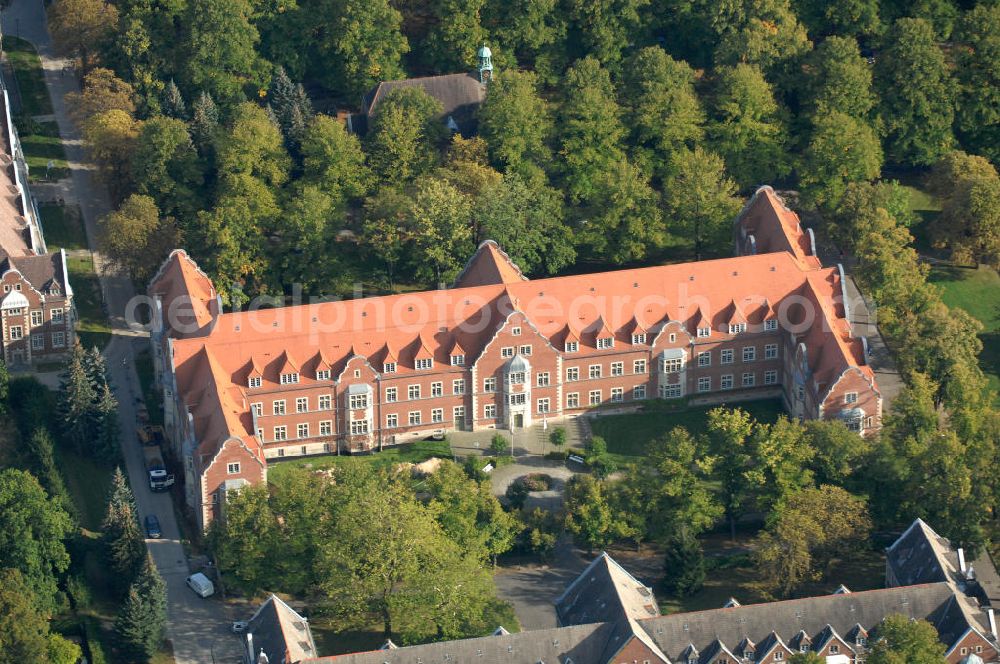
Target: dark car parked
<point x="152" y="527"/>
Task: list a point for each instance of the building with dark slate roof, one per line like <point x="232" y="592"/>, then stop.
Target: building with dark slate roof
<point x="607" y="616"/>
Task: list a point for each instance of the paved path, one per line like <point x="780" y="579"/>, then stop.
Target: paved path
<point x="532" y="589"/>
<point x="196" y="627"/>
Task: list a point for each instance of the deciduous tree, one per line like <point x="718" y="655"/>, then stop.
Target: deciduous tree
<point x="404" y="136"/>
<point x="454" y="36"/>
<point x="333" y="160"/>
<point x="841" y="150"/>
<point x="588" y="516"/>
<point x="699" y="201"/>
<point x="765" y="33"/>
<point x="516" y="123"/>
<point x="166" y="166"/>
<point x="136" y="238"/>
<point x="440" y="217"/>
<point x="900" y="639"/>
<point x="847" y="17"/>
<point x="79" y="26"/>
<point x="101" y="91"/>
<point x="24" y="629"/>
<point x="604" y="28"/>
<point x="729" y="436"/>
<point x="839" y="79"/>
<point x="978" y="73"/>
<point x="111" y="137"/>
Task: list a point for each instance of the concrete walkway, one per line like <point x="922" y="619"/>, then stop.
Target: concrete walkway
<point x="196" y="627"/>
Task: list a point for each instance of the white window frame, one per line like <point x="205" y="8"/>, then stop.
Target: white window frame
<point x="324" y="402"/>
<point x="705" y="384"/>
<point x="280" y="433"/>
<point x="254" y="381"/>
<point x="301" y="404"/>
<point x="507" y="352"/>
<point x="594" y="397"/>
<point x="323" y="374"/>
<point x="674" y="391"/>
<point x="358" y="401"/>
<point x="58" y="339"/>
<point x="302" y="430"/>
<point x="57" y="315"/>
<point x="617" y="394"/>
<point x="289" y="378"/>
<point x="359" y="427"/>
<point x="388" y="367"/>
<point x="278" y="407"/>
<point x="595" y="371"/>
<point x="851" y="397"/>
<point x="414" y="418"/>
<point x="749" y="379"/>
<point x="542" y="379"/>
<point x="771" y="324"/>
<point x="704" y="332"/>
<point x="639" y="367"/>
<point x="233" y="468"/>
<point x="423" y="363"/>
<point x="771" y="377"/>
<point x="326" y="428"/>
<point x="458" y="360"/>
<point x="770" y="351"/>
<point x="572" y="374"/>
<point x="437" y="415"/>
<point x="617" y="368"/>
<point x="16" y="332"/>
<point x="543" y="405"/>
<point x="726" y="382"/>
<point x="458" y="386"/>
<point x="516" y="378"/>
<point x="639" y="392"/>
<point x="490" y="385"/>
<point x="749" y="353"/>
<point x="573" y="400"/>
<point x="515" y="331"/>
<point x="391" y="421"/>
<point x="490" y="411"/>
<point x="412" y="392"/>
<point x="525" y="350"/>
<point x="638" y="339"/>
<point x="705" y="358"/>
<point x="37" y="318"/>
<point x="391" y="395"/>
<point x="571" y="346"/>
<point x="673" y="365"/>
<point x="37" y="342"/>
<point x="437" y="389"/>
<point x="726" y="356"/>
<point x="458" y="414"/>
<point x="605" y="343"/>
<point x="737" y="328"/>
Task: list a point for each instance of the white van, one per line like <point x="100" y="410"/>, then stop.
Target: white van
<point x="200" y="584"/>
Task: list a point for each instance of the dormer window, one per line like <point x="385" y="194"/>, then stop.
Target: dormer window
<point x="424" y="363"/>
<point x="638" y="338"/>
<point x="388" y="367"/>
<point x="851" y="397"/>
<point x="458" y="360"/>
<point x="861" y="641"/>
<point x="704" y="332"/>
<point x="778" y="656"/>
<point x="605" y="343"/>
<point x="289" y="378"/>
<point x="737" y="328"/>
<point x="572" y="346"/>
<point x="323" y="374"/>
<point x="255" y="381"/>
<point x="771" y="325"/>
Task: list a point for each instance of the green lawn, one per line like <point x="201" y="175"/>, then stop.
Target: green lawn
<point x="42" y="144"/>
<point x="30" y="78"/>
<point x="92" y="327"/>
<point x="154" y="402"/>
<point x="925" y="208"/>
<point x="63" y="227"/>
<point x="407" y="452"/>
<point x="628" y="435"/>
<point x="978" y="292"/>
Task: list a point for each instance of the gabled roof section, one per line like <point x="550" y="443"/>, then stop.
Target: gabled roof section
<point x="286" y="364"/>
<point x="776" y="228"/>
<point x="456" y="92"/>
<point x="490" y="265"/>
<point x="920" y="555"/>
<point x="456" y="348"/>
<point x="735" y="314"/>
<point x="187" y="293"/>
<point x="421" y="349"/>
<point x="605" y="592"/>
<point x="278" y="631"/>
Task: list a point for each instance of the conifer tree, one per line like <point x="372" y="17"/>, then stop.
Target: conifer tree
<point x="173" y="102"/>
<point x="39" y="452"/>
<point x="76" y="399"/>
<point x="291" y="106"/>
<point x="204" y="121"/>
<point x="96" y="367"/>
<point x="122" y="539"/>
<point x="683" y="565"/>
<point x="106" y="423"/>
<point x="140" y="624"/>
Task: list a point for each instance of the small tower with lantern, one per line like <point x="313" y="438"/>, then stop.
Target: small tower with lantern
<point x="485" y="64"/>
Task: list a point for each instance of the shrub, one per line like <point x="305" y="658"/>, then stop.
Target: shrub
<point x="536" y="482"/>
<point x="557" y="456"/>
<point x="558" y="436"/>
<point x="499" y="444"/>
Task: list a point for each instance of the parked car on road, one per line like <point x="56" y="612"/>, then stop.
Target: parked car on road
<point x="152" y="527"/>
<point x="200" y="584"/>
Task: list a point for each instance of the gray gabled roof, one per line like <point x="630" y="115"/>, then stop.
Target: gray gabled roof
<point x="459" y="94"/>
<point x="920" y="555"/>
<point x="280" y="632"/>
<point x="605" y="592"/>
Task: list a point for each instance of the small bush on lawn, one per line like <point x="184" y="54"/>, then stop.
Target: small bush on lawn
<point x="536" y="482"/>
<point x="557" y="456"/>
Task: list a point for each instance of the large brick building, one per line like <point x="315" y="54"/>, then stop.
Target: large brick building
<point x="607" y="616"/>
<point x="500" y="351"/>
<point x="36" y="299"/>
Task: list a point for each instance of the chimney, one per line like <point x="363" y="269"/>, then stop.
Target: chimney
<point x="961" y="559"/>
<point x="993" y="622"/>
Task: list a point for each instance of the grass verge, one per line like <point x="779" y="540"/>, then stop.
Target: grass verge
<point x="63" y="227"/>
<point x="30" y="78"/>
<point x="92" y="326"/>
<point x="629" y="435"/>
<point x="405" y="453"/>
<point x="42" y="144"/>
<point x="147" y="379"/>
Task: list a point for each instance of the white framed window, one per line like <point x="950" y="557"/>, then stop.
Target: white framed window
<point x="437" y="389"/>
<point x="258" y="408"/>
<point x="518" y="399"/>
<point x="424" y="363"/>
<point x="834" y="649"/>
<point x="638" y="338"/>
<point x="490" y="384"/>
<point x="851" y="397"/>
<point x="302" y="430"/>
<point x="726" y="356"/>
<point x="458" y="413"/>
<point x="704" y="383"/>
<point x="749" y="378"/>
<point x="323" y="374"/>
<point x="595" y="371"/>
<point x="254" y="381"/>
<point x="572" y="373"/>
<point x="571" y="346"/>
<point x="594" y="397"/>
<point x="617" y="368"/>
<point x="639" y="366"/>
<point x="737" y="328"/>
<point x="302" y="404"/>
<point x="359" y="401"/>
<point x="573" y="400"/>
<point x="749" y="353"/>
<point x="779" y="656"/>
<point x="605" y="342"/>
<point x="490" y="411"/>
<point x="437" y="415"/>
<point x="515" y="331"/>
<point x="771" y="377"/>
<point x="390" y="395"/>
<point x="517" y="378"/>
<point x="413" y="417"/>
<point x="672" y="337"/>
<point x="391" y="421"/>
<point x="542" y="379"/>
<point x="673" y="365"/>
<point x="617" y="394"/>
<point x="37" y="342"/>
<point x="458" y="360"/>
<point x="670" y="391"/>
<point x="704" y="332"/>
<point x="726" y="382"/>
<point x="326" y="428"/>
<point x="770" y="351"/>
<point x="359" y="427"/>
<point x="57" y="315"/>
<point x="233" y="468"/>
<point x="507" y="351"/>
<point x="281" y="453"/>
<point x="458" y="386"/>
<point x="324" y="402"/>
<point x="639" y="392"/>
<point x="543" y="405"/>
<point x="280" y="433"/>
<point x="525" y="350"/>
<point x="289" y="378"/>
<point x="16" y="332"/>
<point x="36" y="318"/>
<point x="388" y="367"/>
<point x="412" y="392"/>
<point x="705" y="358"/>
<point x="278" y="407"/>
<point x="771" y="325"/>
<point x="58" y="339"/>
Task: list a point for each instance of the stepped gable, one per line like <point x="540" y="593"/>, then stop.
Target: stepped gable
<point x="774" y="228"/>
<point x="490" y="265"/>
<point x="187" y="294"/>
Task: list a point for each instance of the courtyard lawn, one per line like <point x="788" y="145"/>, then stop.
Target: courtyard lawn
<point x="30" y="78"/>
<point x="406" y="453"/>
<point x="42" y="144"/>
<point x="978" y="292"/>
<point x="92" y="327"/>
<point x="62" y="226"/>
<point x="629" y="435"/>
